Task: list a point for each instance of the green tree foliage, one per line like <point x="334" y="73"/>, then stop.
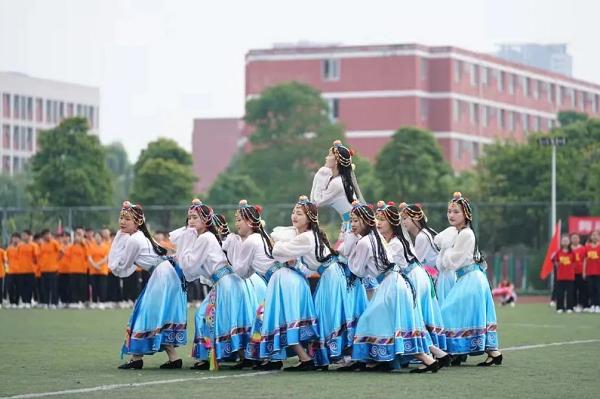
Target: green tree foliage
<point x="121" y="170"/>
<point x="291" y="137"/>
<point x="70" y="167"/>
<point x="231" y="187"/>
<point x="412" y="168"/>
<point x="163" y="175"/>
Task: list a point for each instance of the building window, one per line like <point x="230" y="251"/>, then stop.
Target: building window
<point x="15" y="142"/>
<point x="423" y="65"/>
<point x="484" y="75"/>
<point x="331" y="69"/>
<point x="458" y="149"/>
<point x="6" y="164"/>
<point x="525" y="84"/>
<point x="473" y="113"/>
<point x="511" y="121"/>
<point x="500" y="80"/>
<point x="473" y="75"/>
<point x="595" y="103"/>
<point x="6" y="105"/>
<point x="484" y="115"/>
<point x="558" y="91"/>
<point x="455" y="110"/>
<point x="536" y="89"/>
<point x="476" y="151"/>
<point x="61" y="111"/>
<point x="6" y="136"/>
<point x="548" y="89"/>
<point x="334" y="109"/>
<point x="17" y="106"/>
<point x="457" y="70"/>
<point x="501" y="119"/>
<point x="550" y="124"/>
<point x="511" y="84"/>
<point x="29" y="108"/>
<point x="30" y="139"/>
<point x="536" y="123"/>
<point x="524" y="122"/>
<point x="39" y="110"/>
<point x="581" y="101"/>
<point x="16" y="165"/>
<point x="424" y="108"/>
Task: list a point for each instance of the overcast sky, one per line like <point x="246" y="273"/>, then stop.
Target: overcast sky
<point x="160" y="63"/>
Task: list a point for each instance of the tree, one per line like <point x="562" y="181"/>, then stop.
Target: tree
<point x="121" y="170"/>
<point x="291" y="136"/>
<point x="413" y="168"/>
<point x="229" y="188"/>
<point x="70" y="167"/>
<point x="166" y="149"/>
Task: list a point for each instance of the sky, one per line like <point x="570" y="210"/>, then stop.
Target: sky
<point x="159" y="64"/>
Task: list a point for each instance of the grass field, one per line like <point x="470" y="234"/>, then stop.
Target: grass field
<point x="50" y="352"/>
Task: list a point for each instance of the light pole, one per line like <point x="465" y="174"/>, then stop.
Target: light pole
<point x="554" y="142"/>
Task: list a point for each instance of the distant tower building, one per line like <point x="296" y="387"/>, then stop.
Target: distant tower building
<point x="551" y="57"/>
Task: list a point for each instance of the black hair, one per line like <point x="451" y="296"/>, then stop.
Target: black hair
<point x="251" y="214"/>
<point x="139" y="216"/>
<point x="346" y="174"/>
<point x="27" y="231"/>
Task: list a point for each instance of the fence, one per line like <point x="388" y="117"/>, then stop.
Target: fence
<point x="513" y="236"/>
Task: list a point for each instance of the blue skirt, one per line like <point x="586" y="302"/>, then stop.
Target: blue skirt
<point x="469" y="314"/>
<point x="160" y="313"/>
<point x="428" y="303"/>
<point x="444" y="283"/>
<point x="223" y="320"/>
<point x="391" y="327"/>
<point x="338" y="307"/>
<point x="257" y="289"/>
<point x="287" y="318"/>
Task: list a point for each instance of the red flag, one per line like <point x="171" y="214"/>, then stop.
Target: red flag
<point x="553" y="247"/>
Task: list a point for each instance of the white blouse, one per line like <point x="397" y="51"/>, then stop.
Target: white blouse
<point x="456" y="248"/>
<point x="396" y="252"/>
<point x="361" y="259"/>
<point x="247" y="256"/>
<point x="301" y="245"/>
<point x="200" y="255"/>
<point x="425" y="252"/>
<point x="329" y="191"/>
<point x="128" y="251"/>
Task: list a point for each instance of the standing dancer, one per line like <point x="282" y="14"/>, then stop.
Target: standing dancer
<point x="391" y="329"/>
<point x="222" y="321"/>
<point x="414" y="220"/>
<point x="390" y="226"/>
<point x="335" y="185"/>
<point x="468" y="310"/>
<point x="159" y="318"/>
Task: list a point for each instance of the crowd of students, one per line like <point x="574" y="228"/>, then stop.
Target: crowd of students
<point x="69" y="270"/>
<point x="577" y="275"/>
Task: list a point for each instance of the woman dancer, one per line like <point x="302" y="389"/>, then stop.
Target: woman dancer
<point x="159" y="317"/>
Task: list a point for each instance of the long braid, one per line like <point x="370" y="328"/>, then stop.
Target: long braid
<point x="137" y="213"/>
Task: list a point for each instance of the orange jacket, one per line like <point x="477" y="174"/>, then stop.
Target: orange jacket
<point x="2" y="262"/>
<point x="77" y="262"/>
<point x="13" y="259"/>
<point x="49" y="256"/>
<point x="27" y="257"/>
<point x="98" y="252"/>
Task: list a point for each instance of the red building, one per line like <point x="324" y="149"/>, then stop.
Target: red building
<point x="466" y="99"/>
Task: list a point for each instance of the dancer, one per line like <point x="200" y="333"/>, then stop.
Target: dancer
<point x="391" y="329"/>
<point x="159" y="318"/>
<point x="468" y="310"/>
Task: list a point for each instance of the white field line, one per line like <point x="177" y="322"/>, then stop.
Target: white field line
<point x="222" y="377"/>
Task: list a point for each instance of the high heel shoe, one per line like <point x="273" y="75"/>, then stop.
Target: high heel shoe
<point x="433" y="367"/>
<point x="246" y="363"/>
<point x="356" y="366"/>
<point x="491" y="360"/>
<point x="308" y="365"/>
<point x="200" y="366"/>
<point x="458" y="359"/>
<point x="445" y="360"/>
<point x="175" y="364"/>
<point x="132" y="365"/>
<point x="269" y="366"/>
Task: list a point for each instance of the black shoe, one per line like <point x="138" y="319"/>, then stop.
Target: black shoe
<point x="246" y="363"/>
<point x="200" y="366"/>
<point x="445" y="360"/>
<point x="269" y="366"/>
<point x="491" y="360"/>
<point x="380" y="366"/>
<point x="132" y="365"/>
<point x="322" y="368"/>
<point x="404" y="365"/>
<point x="176" y="364"/>
<point x="308" y="365"/>
<point x="355" y="366"/>
<point x="433" y="367"/>
<point x="457" y="360"/>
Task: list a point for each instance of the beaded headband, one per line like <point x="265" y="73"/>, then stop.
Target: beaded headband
<point x="458" y="199"/>
<point x="135" y="211"/>
<point x="364" y="212"/>
<point x="345" y="161"/>
<point x="221" y="224"/>
<point x="304" y="202"/>
<point x="205" y="212"/>
<point x="413" y="211"/>
<point x="390" y="212"/>
<point x="245" y="210"/>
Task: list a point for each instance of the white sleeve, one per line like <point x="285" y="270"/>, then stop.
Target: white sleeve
<point x="357" y="260"/>
<point x="283" y="233"/>
<point x="231" y="244"/>
<point x="123" y="253"/>
<point x="289" y="250"/>
<point x="421" y="246"/>
<point x="243" y="257"/>
<point x="462" y="250"/>
<point x="446" y="238"/>
<point x="349" y="242"/>
<point x="324" y="190"/>
<point x="192" y="255"/>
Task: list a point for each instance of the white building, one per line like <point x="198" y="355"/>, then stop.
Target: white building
<point x="29" y="105"/>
